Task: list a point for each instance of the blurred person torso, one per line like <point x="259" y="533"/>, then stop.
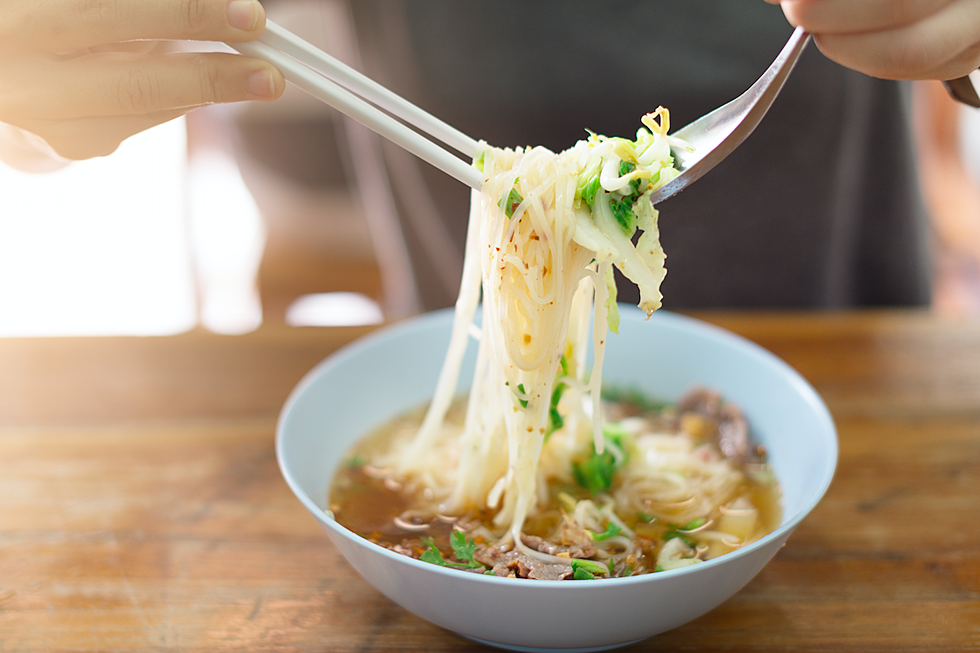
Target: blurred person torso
<point x="820" y="208"/>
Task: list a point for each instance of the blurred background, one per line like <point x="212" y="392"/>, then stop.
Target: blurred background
<point x="287" y="214"/>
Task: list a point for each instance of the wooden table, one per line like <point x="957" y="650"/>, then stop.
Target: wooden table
<point x="141" y="508"/>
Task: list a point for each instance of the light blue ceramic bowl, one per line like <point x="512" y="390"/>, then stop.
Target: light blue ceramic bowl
<point x="395" y="369"/>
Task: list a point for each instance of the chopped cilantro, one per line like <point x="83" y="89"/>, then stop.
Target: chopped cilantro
<point x="460" y="544"/>
<point x="432" y="555"/>
<point x="463" y="546"/>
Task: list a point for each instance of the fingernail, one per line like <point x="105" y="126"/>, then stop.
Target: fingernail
<point x="243" y="14"/>
<point x="261" y="84"/>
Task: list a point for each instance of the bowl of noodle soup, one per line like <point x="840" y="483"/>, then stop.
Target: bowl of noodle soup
<point x="395" y="369"/>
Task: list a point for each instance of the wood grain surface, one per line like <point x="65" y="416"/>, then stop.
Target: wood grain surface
<point x="141" y="508"/>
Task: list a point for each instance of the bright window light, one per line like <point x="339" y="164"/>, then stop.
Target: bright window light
<point x="334" y="309"/>
<point x="99" y="247"/>
<point x="227" y="238"/>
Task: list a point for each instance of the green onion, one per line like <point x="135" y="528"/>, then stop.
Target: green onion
<point x="595" y="473"/>
<point x="520" y="388"/>
<point x="586" y="569"/>
<point x="555" y="420"/>
<point x="612" y="530"/>
<point x="510" y="203"/>
<point x="357" y="460"/>
<point x="673" y="530"/>
<point x="581" y="574"/>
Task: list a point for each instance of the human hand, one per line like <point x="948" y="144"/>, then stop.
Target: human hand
<point x="84" y="75"/>
<point x="892" y="39"/>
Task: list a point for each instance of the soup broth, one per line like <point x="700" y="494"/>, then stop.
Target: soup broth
<point x="677" y="484"/>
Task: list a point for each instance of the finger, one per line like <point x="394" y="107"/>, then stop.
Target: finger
<point x="69" y="25"/>
<point x="941" y="46"/>
<point x="133" y="47"/>
<point x="86" y="138"/>
<point x="112" y="84"/>
<point x="850" y="16"/>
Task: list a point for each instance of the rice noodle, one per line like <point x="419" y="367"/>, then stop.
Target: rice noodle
<point x="544" y="259"/>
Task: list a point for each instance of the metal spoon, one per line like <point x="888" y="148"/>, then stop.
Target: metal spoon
<point x="714" y="136"/>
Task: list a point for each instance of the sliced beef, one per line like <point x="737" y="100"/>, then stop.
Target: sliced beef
<point x="506" y="562"/>
<point x="729" y="431"/>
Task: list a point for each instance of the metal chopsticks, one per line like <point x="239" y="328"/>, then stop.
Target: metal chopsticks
<point x="333" y="82"/>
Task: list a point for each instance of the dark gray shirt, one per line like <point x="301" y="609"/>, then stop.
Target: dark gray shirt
<point x="819" y="208"/>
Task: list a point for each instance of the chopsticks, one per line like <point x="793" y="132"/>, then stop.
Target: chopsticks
<point x="360" y="97"/>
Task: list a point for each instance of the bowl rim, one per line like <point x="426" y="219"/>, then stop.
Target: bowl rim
<point x="408" y="325"/>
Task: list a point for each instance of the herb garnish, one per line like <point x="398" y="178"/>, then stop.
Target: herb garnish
<point x="595" y="473"/>
<point x="681" y="532"/>
<point x="587" y="569"/>
<point x="612" y="530"/>
<point x="510" y="203"/>
<point x="463" y="548"/>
